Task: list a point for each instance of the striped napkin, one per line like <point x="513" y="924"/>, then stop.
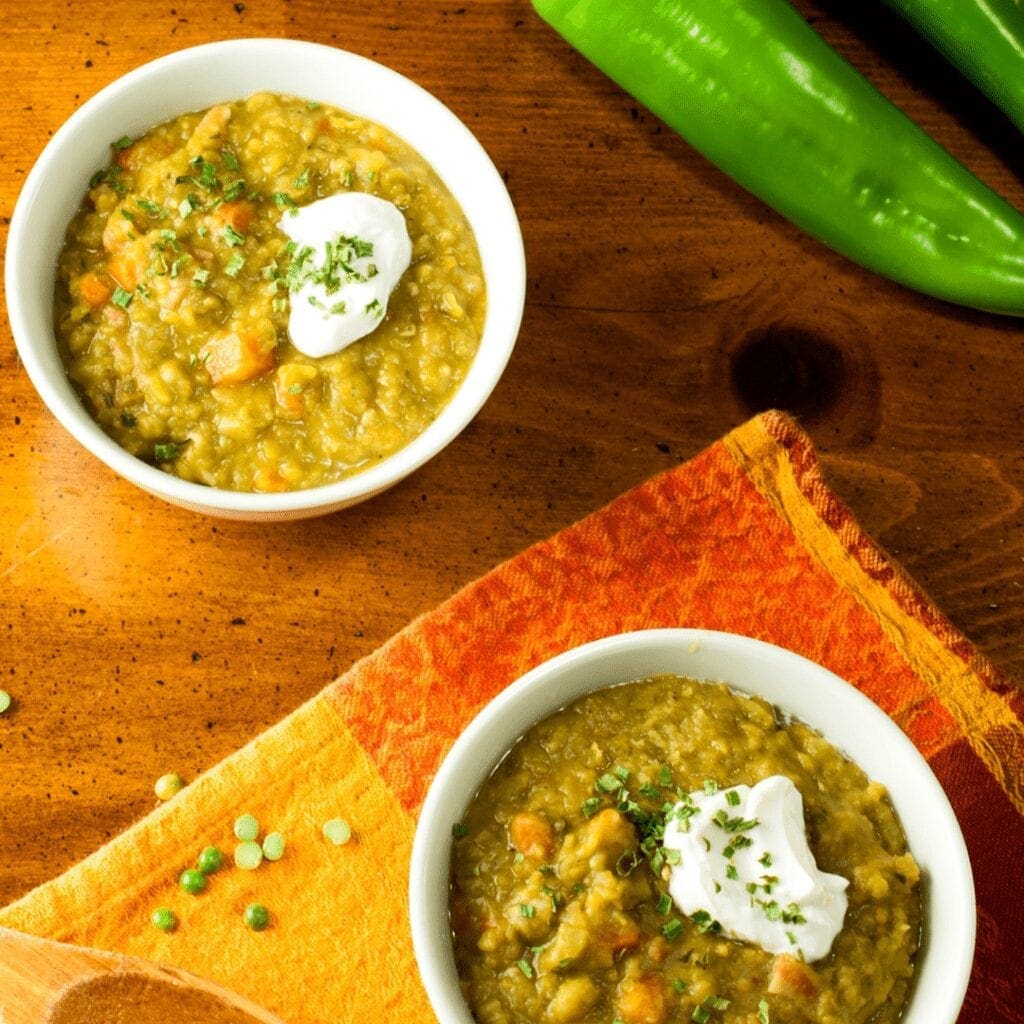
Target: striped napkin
<point x="745" y="537"/>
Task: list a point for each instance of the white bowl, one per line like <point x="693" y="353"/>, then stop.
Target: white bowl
<point x="200" y="77"/>
<point x="800" y="687"/>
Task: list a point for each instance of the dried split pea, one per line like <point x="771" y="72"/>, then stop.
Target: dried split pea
<point x="168" y="785"/>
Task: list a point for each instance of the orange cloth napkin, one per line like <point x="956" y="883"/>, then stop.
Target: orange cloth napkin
<point x="745" y="537"/>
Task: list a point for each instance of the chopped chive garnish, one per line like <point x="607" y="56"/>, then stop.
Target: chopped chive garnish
<point x="731" y="872"/>
<point x="762" y="1012"/>
<point x="127" y="419"/>
<point x="121" y="297"/>
<point x="716" y="1003"/>
<point x="201" y="278"/>
<point x="128" y="215"/>
<point x="665" y="776"/>
<point x="704" y="922"/>
<point x="589" y="806"/>
<point x="302" y="181"/>
<point x="312" y="105"/>
<point x="233" y="191"/>
<point x="178" y="264"/>
<point x="710" y="787"/>
<point x="283" y="199"/>
<point x="664" y="904"/>
<point x="765" y="859"/>
<point x="122" y="143"/>
<point x="701" y="1014"/>
<point x="524" y="966"/>
<point x="279" y="305"/>
<point x="230" y="160"/>
<point x="672" y="929"/>
<point x="607" y="783"/>
<point x="234" y="265"/>
<point x="679" y="985"/>
<point x="732" y="798"/>
<point x="231" y="236"/>
<point x="459" y="831"/>
<point x="527" y="909"/>
<point x="153" y="209"/>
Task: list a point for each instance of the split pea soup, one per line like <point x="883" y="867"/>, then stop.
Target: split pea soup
<point x="564" y="903"/>
<point x="178" y="281"/>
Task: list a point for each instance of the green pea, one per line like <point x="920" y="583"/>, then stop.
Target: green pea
<point x="337" y="831"/>
<point x="210" y="860"/>
<point x="192" y="881"/>
<point x="273" y="846"/>
<point x="256" y="916"/>
<point x="164" y="919"/>
<point x="5" y="701"/>
<point x="248" y="856"/>
<point x="247" y="828"/>
<point x="168" y="785"/>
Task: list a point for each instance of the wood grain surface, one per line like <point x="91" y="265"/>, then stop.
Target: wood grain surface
<point x="664" y="306"/>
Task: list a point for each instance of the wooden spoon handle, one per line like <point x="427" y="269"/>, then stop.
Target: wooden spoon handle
<point x="34" y="971"/>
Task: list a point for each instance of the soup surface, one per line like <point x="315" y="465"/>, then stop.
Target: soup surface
<point x="173" y="293"/>
<point x="559" y="891"/>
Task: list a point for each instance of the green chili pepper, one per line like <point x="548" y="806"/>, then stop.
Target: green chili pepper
<point x="753" y="88"/>
<point x="983" y="38"/>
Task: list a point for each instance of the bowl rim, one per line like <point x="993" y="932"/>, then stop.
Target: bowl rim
<point x="497" y="338"/>
<point x="947" y="949"/>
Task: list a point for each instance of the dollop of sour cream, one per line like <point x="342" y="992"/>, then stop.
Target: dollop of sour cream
<point x="351" y="250"/>
<point x="744" y="868"/>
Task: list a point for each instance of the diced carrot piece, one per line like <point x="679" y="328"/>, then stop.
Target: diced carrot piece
<point x="268" y="481"/>
<point x="123" y="157"/>
<point x="791" y="977"/>
<point x="124" y="270"/>
<point x="292" y="382"/>
<point x="117" y="317"/>
<point x="642" y="1000"/>
<point x="237" y="215"/>
<point x="658" y="949"/>
<point x="95" y="290"/>
<point x="324" y="126"/>
<point x="532" y="836"/>
<point x="620" y="933"/>
<point x="210" y="128"/>
<point x="235" y="357"/>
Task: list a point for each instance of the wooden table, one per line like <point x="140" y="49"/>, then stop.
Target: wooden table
<point x="664" y="306"/>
